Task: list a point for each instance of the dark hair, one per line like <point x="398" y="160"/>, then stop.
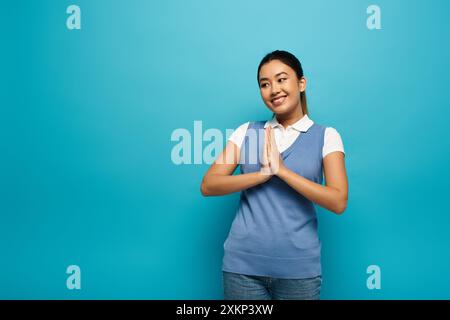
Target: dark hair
<point x="290" y="60"/>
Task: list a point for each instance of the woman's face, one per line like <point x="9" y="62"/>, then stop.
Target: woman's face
<point x="280" y="87"/>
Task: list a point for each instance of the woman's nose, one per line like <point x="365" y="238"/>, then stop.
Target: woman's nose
<point x="275" y="90"/>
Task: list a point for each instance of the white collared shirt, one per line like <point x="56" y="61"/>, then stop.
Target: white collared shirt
<point x="285" y="137"/>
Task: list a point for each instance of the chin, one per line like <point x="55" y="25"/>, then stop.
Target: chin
<point x="280" y="110"/>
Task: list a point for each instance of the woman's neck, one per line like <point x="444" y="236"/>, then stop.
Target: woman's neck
<point x="287" y="119"/>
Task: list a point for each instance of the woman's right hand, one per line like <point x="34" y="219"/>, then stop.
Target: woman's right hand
<point x="266" y="171"/>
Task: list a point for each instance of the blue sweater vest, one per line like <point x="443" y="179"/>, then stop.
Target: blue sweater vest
<point x="274" y="232"/>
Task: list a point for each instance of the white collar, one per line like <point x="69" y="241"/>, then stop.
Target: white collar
<point x="301" y="125"/>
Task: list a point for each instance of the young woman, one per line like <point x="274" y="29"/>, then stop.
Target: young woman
<point x="273" y="249"/>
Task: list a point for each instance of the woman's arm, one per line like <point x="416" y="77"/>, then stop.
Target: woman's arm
<point x="219" y="179"/>
<point x="334" y="195"/>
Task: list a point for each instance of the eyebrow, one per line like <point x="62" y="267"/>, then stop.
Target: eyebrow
<point x="275" y="76"/>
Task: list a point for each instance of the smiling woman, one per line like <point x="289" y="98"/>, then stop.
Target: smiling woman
<point x="273" y="250"/>
<point x="285" y="76"/>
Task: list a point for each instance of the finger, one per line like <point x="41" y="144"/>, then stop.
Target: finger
<point x="269" y="134"/>
<point x="275" y="155"/>
<point x="265" y="159"/>
<point x="273" y="142"/>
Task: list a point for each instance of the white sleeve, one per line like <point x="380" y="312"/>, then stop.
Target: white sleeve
<point x="332" y="142"/>
<point x="238" y="135"/>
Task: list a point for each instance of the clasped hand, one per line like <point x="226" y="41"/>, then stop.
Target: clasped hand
<point x="271" y="161"/>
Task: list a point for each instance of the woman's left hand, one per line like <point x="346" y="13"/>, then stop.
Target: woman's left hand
<point x="274" y="157"/>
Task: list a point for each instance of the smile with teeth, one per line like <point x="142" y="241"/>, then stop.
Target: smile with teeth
<point x="278" y="100"/>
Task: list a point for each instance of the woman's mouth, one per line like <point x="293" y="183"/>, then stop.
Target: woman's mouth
<point x="279" y="100"/>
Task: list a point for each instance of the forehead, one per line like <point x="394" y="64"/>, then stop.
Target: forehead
<point x="272" y="68"/>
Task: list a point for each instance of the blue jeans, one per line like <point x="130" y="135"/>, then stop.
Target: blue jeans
<point x="245" y="287"/>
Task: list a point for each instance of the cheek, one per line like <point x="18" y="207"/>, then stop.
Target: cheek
<point x="265" y="94"/>
<point x="294" y="92"/>
<point x="292" y="87"/>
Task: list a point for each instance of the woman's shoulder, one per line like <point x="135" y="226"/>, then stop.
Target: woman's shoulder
<point x="332" y="141"/>
<point x="328" y="130"/>
<point x="244" y="126"/>
<point x="331" y="131"/>
<point x="238" y="135"/>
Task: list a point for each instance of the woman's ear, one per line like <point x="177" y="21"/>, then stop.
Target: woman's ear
<point x="302" y="84"/>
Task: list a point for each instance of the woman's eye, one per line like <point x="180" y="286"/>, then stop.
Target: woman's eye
<point x="263" y="85"/>
<point x="282" y="79"/>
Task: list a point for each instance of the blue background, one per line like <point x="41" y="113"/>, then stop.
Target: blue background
<point x="86" y="118"/>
